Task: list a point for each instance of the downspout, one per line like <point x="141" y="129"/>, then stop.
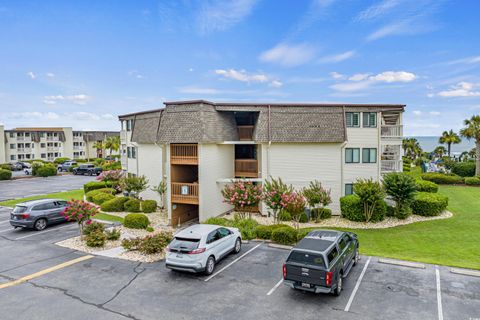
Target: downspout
<point x="269" y="141"/>
<point x="342" y="154"/>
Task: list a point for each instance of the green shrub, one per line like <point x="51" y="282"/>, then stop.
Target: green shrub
<point x="265" y="232"/>
<point x="117" y="165"/>
<point x="46" y="170"/>
<point x="429" y="204"/>
<point x="136" y="221"/>
<point x="390" y="211"/>
<point x="93" y="227"/>
<point x="6" y="166"/>
<point x="5" y="174"/>
<point x="303" y="218"/>
<point x="150" y="229"/>
<point x="132" y="205"/>
<point x="284" y="235"/>
<point x="352" y="209"/>
<point x="247" y="227"/>
<point x="114" y="205"/>
<point x="89" y="195"/>
<point x="442" y="178"/>
<point x="101" y="197"/>
<point x="401" y="188"/>
<point x="464" y="169"/>
<point x="219" y="221"/>
<point x="60" y="160"/>
<point x="403" y="213"/>
<point x="318" y="214"/>
<point x="149" y="206"/>
<point x="113" y="234"/>
<point x="150" y="244"/>
<point x="302" y="233"/>
<point x="96" y="239"/>
<point x="284" y="216"/>
<point x="472" y="181"/>
<point x="93" y="185"/>
<point x="131" y="244"/>
<point x="426" y="186"/>
<point x="371" y="194"/>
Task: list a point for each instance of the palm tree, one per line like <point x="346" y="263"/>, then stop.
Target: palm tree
<point x="472" y="153"/>
<point x="449" y="138"/>
<point x="411" y="148"/>
<point x="112" y="143"/>
<point x="99" y="145"/>
<point x="472" y="131"/>
<point x="463" y="157"/>
<point x="440" y="151"/>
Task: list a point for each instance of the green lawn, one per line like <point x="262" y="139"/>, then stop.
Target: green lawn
<point x="108" y="217"/>
<point x="452" y="242"/>
<point x="68" y="195"/>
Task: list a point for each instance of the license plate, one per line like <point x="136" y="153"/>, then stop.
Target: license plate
<point x="306" y="285"/>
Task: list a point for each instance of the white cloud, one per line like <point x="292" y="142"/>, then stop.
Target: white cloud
<point x="222" y="15"/>
<point x="50" y="74"/>
<point x="88" y="116"/>
<point x="34" y="115"/>
<point x="361" y="81"/>
<point x="469" y="60"/>
<point x="461" y="89"/>
<point x="336" y="75"/>
<point x="191" y="69"/>
<point x="242" y="75"/>
<point x="135" y="74"/>
<point x="80" y="99"/>
<point x="351" y="86"/>
<point x="288" y="55"/>
<point x="198" y="90"/>
<point x="397" y="28"/>
<point x="417" y="112"/>
<point x="32" y="75"/>
<point x="359" y="77"/>
<point x="378" y="10"/>
<point x="394" y="76"/>
<point x="276" y="84"/>
<point x="434" y="113"/>
<point x="337" y="57"/>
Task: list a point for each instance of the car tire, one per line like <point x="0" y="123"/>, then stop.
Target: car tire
<point x="210" y="265"/>
<point x="238" y="246"/>
<point x="338" y="289"/>
<point x="356" y="257"/>
<point x="40" y="224"/>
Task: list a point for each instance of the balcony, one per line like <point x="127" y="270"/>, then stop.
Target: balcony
<point x="390" y="166"/>
<point x="186" y="193"/>
<point x="52" y="138"/>
<point x="184" y="154"/>
<point x="53" y="148"/>
<point x="392" y="131"/>
<point x="245" y="133"/>
<point x="246" y="168"/>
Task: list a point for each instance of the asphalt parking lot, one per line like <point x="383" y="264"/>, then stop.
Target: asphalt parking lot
<point x="245" y="286"/>
<point x="21" y="188"/>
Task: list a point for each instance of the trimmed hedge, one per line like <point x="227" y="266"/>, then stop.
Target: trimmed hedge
<point x="442" y="178"/>
<point x="464" y="169"/>
<point x="113" y="234"/>
<point x="114" y="205"/>
<point x="303" y="218"/>
<point x="265" y="232"/>
<point x="219" y="221"/>
<point x="429" y="204"/>
<point x="472" y="181"/>
<point x="320" y="213"/>
<point x="101" y="197"/>
<point x="149" y="206"/>
<point x="5" y="174"/>
<point x="247" y="227"/>
<point x="46" y="170"/>
<point x="93" y="227"/>
<point x="6" y="166"/>
<point x="285" y="235"/>
<point x="136" y="221"/>
<point x="89" y="195"/>
<point x="426" y="186"/>
<point x="284" y="215"/>
<point x="96" y="239"/>
<point x="94" y="185"/>
<point x="132" y="205"/>
<point x="352" y="209"/>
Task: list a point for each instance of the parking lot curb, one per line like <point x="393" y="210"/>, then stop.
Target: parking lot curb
<point x="403" y="263"/>
<point x="466" y="272"/>
<point x="280" y="246"/>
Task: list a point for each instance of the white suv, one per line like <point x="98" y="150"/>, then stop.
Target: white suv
<point x="198" y="248"/>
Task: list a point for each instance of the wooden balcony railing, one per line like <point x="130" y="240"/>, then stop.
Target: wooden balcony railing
<point x="390" y="166"/>
<point x="245" y="133"/>
<point x="246" y="168"/>
<point x="184" y="154"/>
<point x="392" y="131"/>
<point x="184" y="192"/>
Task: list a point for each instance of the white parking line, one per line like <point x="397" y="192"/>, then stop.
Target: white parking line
<point x="6" y="221"/>
<point x="41" y="232"/>
<point x="275" y="287"/>
<point x="228" y="265"/>
<point x="439" y="295"/>
<point x="352" y="296"/>
<point x="6" y="230"/>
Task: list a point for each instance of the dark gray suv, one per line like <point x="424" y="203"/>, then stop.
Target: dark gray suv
<point x="37" y="214"/>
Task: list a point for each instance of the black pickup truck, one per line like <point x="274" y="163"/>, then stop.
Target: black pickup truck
<point x="87" y="169"/>
<point x="320" y="261"/>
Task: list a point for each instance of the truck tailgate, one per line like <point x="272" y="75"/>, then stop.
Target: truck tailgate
<point x="305" y="274"/>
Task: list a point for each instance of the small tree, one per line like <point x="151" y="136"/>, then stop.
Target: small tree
<point x="370" y="194"/>
<point x="316" y="194"/>
<point x="134" y="184"/>
<point x="242" y="194"/>
<point x="401" y="187"/>
<point x="81" y="212"/>
<point x="272" y="196"/>
<point x="111" y="175"/>
<point x="161" y="189"/>
<point x="294" y="203"/>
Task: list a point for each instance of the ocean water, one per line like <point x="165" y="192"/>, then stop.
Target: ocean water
<point x="429" y="143"/>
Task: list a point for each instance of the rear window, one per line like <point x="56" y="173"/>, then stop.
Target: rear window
<point x="184" y="244"/>
<point x="19" y="209"/>
<point x="306" y="258"/>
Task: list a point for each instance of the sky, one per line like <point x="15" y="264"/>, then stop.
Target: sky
<point x="82" y="63"/>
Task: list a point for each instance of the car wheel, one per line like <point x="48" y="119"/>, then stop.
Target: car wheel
<point x="356" y="258"/>
<point x="210" y="265"/>
<point x="339" y="287"/>
<point x="238" y="246"/>
<point x="40" y="224"/>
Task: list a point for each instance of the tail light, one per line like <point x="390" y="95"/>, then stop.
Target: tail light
<point x="328" y="279"/>
<point x="284" y="270"/>
<point x="25" y="215"/>
<point x="197" y="251"/>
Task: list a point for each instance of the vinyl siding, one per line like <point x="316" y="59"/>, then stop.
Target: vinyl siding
<point x="150" y="165"/>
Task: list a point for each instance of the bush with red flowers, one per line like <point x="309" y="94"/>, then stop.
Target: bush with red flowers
<point x="81" y="212"/>
<point x="242" y="194"/>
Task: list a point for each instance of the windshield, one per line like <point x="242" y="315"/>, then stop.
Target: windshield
<point x="19" y="209"/>
<point x="306" y="258"/>
<point x="184" y="244"/>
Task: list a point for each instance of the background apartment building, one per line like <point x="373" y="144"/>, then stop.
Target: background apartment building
<point x="21" y="144"/>
<point x="199" y="146"/>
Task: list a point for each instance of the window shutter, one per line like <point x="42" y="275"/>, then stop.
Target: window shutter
<point x="366" y="119"/>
